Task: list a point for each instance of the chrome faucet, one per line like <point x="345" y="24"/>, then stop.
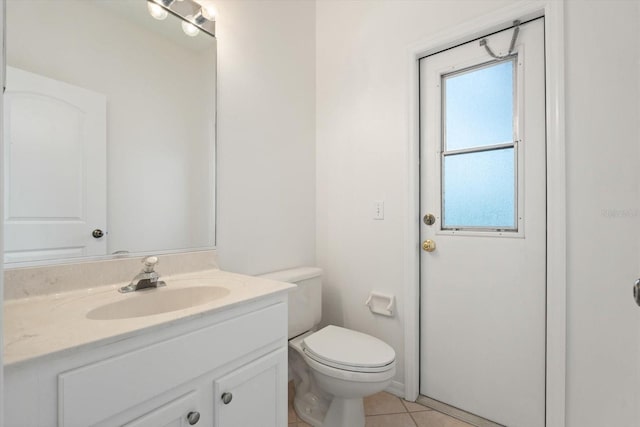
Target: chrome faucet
<point x="147" y="278"/>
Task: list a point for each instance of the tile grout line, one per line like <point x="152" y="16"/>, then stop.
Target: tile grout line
<point x="386" y="413"/>
<point x="415" y="422"/>
<point x="398" y="413"/>
<point x="426" y="408"/>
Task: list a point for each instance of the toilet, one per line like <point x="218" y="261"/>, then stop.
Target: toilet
<point x="333" y="368"/>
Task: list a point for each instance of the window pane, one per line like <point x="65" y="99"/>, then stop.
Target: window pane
<point x="479" y="107"/>
<point x="479" y="190"/>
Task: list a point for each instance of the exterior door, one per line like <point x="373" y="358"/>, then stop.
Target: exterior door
<point x="483" y="197"/>
<point x="55" y="169"/>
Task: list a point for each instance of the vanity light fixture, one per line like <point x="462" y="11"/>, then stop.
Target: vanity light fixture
<point x="195" y="17"/>
<point x="206" y="13"/>
<point x="156" y="11"/>
<point x="188" y="28"/>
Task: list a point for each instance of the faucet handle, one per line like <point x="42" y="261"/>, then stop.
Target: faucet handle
<point x="150" y="263"/>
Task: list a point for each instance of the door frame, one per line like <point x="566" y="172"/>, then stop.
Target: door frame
<point x="553" y="11"/>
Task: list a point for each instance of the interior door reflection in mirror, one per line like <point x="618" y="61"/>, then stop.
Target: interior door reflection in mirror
<point x="109" y="130"/>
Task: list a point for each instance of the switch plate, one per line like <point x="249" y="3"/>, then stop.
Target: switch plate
<point x="378" y="209"/>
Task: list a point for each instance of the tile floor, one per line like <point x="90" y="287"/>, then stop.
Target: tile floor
<point x="386" y="410"/>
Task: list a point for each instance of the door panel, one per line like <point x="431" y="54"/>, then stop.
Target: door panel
<point x="55" y="169"/>
<point x="245" y="397"/>
<point x="483" y="288"/>
<point x="173" y="414"/>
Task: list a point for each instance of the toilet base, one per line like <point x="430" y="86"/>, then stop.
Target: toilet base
<point x="341" y="412"/>
<point x="344" y="412"/>
<point x="310" y="409"/>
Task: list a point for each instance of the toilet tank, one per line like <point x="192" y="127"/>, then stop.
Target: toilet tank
<point x="305" y="301"/>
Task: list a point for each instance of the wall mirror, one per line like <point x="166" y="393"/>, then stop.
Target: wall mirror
<point x="109" y="132"/>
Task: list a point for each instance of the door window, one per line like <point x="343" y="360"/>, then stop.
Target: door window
<point x="479" y="148"/>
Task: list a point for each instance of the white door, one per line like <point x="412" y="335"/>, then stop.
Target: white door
<point x="482" y="178"/>
<point x="55" y="169"/>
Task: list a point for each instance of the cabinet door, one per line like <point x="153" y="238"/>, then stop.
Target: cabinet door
<point x="181" y="412"/>
<point x="253" y="395"/>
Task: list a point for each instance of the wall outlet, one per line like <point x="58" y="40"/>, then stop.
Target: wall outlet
<point x="378" y="209"/>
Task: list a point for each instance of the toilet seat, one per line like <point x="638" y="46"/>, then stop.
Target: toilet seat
<point x="351" y="376"/>
<point x="348" y="350"/>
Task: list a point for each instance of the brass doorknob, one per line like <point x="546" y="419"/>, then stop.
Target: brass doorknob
<point x="429" y="245"/>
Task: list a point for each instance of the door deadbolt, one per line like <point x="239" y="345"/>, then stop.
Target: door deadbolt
<point x="429" y="245"/>
<point x="429" y="219"/>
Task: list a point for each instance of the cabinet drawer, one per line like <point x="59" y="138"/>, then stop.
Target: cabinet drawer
<point x="172" y="414"/>
<point x="95" y="392"/>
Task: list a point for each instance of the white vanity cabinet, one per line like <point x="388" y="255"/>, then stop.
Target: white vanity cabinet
<point x="242" y="397"/>
<point x="179" y="412"/>
<point x="222" y="369"/>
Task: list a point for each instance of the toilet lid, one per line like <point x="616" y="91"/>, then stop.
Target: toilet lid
<point x="340" y="347"/>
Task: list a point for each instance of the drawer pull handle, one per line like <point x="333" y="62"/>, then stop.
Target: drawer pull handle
<point x="226" y="398"/>
<point x="193" y="417"/>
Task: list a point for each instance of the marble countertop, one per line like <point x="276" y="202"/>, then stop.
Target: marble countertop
<point x="44" y="325"/>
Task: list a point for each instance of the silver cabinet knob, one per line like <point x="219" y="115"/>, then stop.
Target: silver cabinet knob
<point x="226" y="398"/>
<point x="636" y="291"/>
<point x="97" y="233"/>
<point x="193" y="417"/>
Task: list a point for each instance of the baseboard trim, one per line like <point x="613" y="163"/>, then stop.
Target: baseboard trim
<point x="396" y="388"/>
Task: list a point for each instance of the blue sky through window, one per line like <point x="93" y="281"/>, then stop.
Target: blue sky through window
<point x="479" y="186"/>
<point x="479" y="189"/>
<point x="479" y="107"/>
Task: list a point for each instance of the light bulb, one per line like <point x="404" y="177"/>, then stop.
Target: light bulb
<point x="190" y="29"/>
<point x="156" y="11"/>
<point x="209" y="12"/>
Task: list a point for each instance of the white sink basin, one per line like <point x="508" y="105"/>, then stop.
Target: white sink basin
<point x="157" y="301"/>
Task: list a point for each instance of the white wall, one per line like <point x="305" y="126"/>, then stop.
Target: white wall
<point x="362" y="121"/>
<point x="265" y="139"/>
<point x="158" y="133"/>
<point x="603" y="194"/>
<point x="362" y="125"/>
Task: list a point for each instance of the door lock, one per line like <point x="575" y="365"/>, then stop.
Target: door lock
<point x="429" y="245"/>
<point x="429" y="219"/>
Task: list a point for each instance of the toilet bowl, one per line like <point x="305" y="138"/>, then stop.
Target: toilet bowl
<point x="334" y="368"/>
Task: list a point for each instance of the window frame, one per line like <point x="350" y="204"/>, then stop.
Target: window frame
<point x="516" y="144"/>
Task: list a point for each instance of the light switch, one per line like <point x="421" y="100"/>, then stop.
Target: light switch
<point x="378" y="209"/>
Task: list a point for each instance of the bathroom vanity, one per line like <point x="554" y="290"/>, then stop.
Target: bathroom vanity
<point x="72" y="359"/>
